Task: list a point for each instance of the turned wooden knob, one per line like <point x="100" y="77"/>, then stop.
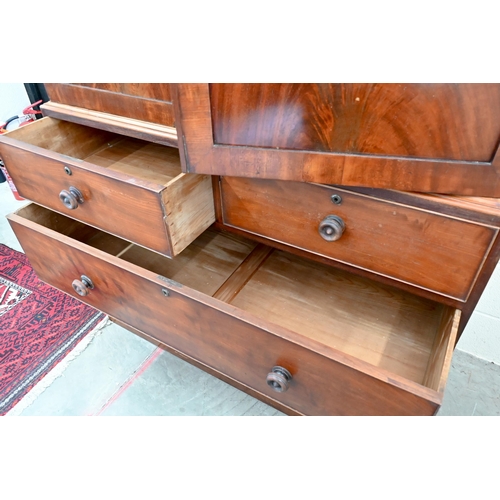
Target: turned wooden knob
<point x="71" y="197"/>
<point x="278" y="379"/>
<point x="331" y="228"/>
<point x="83" y="286"/>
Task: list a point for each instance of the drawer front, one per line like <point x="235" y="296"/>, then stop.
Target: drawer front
<point x="235" y="343"/>
<point x="420" y="248"/>
<point x="110" y="203"/>
<point x="127" y="187"/>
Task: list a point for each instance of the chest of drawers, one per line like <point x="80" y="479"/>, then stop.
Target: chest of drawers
<point x="320" y="300"/>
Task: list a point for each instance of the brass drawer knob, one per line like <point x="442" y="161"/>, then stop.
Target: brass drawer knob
<point x="83" y="286"/>
<point x="278" y="379"/>
<point x="71" y="197"/>
<point x="331" y="228"/>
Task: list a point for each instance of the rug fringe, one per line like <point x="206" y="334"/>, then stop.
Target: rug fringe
<point x="58" y="370"/>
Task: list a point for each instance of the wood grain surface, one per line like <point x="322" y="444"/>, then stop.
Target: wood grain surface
<point x="205" y="265"/>
<point x="148" y="102"/>
<point x="425" y="139"/>
<point x="378" y="324"/>
<point x="126" y="183"/>
<point x="140" y="159"/>
<point x="240" y="277"/>
<point x="442" y="351"/>
<point x="242" y="345"/>
<point x="474" y="209"/>
<point x="189" y="208"/>
<point x="147" y="131"/>
<point x="419" y="247"/>
<point x="211" y="371"/>
<point x="158" y="91"/>
<point x="447" y="121"/>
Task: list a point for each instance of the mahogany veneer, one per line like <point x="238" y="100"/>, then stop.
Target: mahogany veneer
<point x="322" y="300"/>
<point x="439" y="138"/>
<point x="126" y="184"/>
<point x="352" y="346"/>
<point x="141" y="110"/>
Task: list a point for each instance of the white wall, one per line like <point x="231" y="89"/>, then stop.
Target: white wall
<point x="481" y="337"/>
<point x="13" y="99"/>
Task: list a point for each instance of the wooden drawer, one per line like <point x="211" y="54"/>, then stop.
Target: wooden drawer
<point x="419" y="247"/>
<point x="141" y="110"/>
<point x="129" y="187"/>
<point x="351" y="345"/>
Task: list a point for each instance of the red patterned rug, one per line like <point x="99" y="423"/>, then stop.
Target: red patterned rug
<point x="39" y="327"/>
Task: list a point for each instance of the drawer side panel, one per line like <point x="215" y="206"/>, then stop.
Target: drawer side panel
<point x="189" y="208"/>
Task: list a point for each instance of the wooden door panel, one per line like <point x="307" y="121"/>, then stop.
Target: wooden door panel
<point x="436" y="138"/>
<point x="161" y="92"/>
<point x="146" y="102"/>
<point x="446" y="121"/>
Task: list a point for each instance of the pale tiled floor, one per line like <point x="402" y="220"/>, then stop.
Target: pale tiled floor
<point x="122" y="374"/>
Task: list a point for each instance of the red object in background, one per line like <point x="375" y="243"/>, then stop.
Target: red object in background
<point x="28" y="110"/>
<point x="11" y="182"/>
<point x="28" y="116"/>
<point x="39" y="327"/>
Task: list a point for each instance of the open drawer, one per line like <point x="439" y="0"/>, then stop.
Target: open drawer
<point x="429" y="250"/>
<point x="125" y="186"/>
<point x="303" y="336"/>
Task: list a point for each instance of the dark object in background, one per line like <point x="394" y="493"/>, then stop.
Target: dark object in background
<point x="36" y="92"/>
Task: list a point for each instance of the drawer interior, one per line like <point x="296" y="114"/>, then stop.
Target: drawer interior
<point x="379" y="324"/>
<point x="133" y="157"/>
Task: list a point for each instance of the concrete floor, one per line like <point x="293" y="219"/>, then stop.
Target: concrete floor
<point x="119" y="373"/>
